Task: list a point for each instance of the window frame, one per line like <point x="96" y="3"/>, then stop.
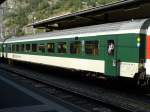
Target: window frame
<point x="111" y="43"/>
<point x="65" y="50"/>
<point x="34" y="47"/>
<point x="22" y="47"/>
<point x="74" y="43"/>
<point x="9" y="48"/>
<point x="92" y="44"/>
<point x="42" y="50"/>
<point x="13" y="48"/>
<point x="51" y="50"/>
<point x="26" y="47"/>
<point x="17" y="48"/>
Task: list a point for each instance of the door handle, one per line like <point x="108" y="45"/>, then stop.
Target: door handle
<point x="114" y="63"/>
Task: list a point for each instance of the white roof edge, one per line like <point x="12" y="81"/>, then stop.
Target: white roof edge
<point x="123" y="28"/>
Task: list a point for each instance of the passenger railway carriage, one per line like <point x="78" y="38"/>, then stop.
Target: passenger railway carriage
<point x="120" y="49"/>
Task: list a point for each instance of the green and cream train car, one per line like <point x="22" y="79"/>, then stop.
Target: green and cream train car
<point x="120" y="49"/>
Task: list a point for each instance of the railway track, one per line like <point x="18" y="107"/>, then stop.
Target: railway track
<point x="82" y="99"/>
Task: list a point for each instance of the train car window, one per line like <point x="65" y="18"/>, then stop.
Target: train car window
<point x="22" y="47"/>
<point x="13" y="48"/>
<point x="27" y="47"/>
<point x="34" y="47"/>
<point x="17" y="47"/>
<point x="62" y="47"/>
<point x="110" y="47"/>
<point x="91" y="47"/>
<point x="9" y="48"/>
<point x="42" y="48"/>
<point x="51" y="47"/>
<point x="75" y="47"/>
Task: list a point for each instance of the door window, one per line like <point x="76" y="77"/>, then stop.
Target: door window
<point x="110" y="47"/>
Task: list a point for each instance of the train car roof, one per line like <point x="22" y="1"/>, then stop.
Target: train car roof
<point x="132" y="26"/>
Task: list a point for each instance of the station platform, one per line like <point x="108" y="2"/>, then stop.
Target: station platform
<point x="17" y="98"/>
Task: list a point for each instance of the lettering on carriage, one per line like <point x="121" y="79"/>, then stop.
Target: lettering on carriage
<point x="16" y="56"/>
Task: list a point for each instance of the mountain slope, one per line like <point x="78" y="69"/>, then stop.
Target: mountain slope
<point x="22" y="12"/>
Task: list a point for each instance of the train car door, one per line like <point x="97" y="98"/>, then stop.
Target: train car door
<point x="111" y="62"/>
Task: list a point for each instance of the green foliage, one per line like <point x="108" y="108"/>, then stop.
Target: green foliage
<point x="24" y="12"/>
